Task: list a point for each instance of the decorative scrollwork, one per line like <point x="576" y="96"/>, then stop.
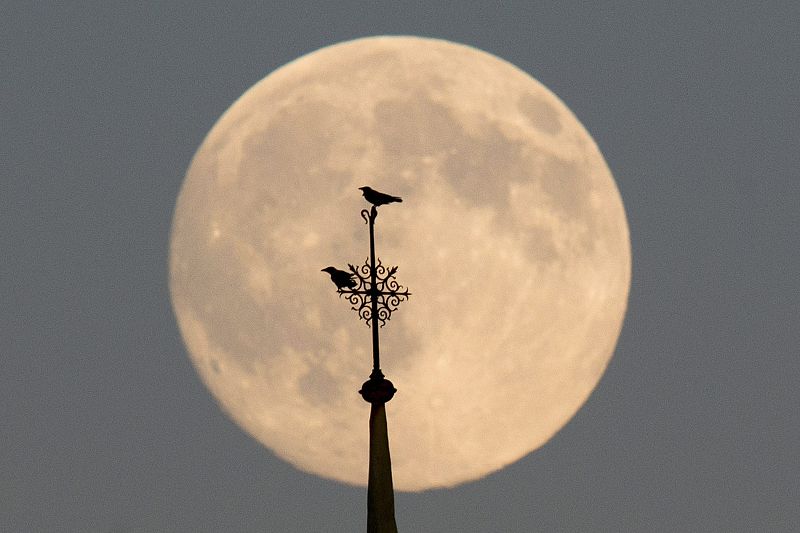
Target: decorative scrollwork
<point x="387" y="292"/>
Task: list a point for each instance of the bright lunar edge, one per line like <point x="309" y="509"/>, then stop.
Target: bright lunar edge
<point x="512" y="238"/>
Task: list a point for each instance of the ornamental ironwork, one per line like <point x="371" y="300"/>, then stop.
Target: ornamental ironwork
<point x="386" y="290"/>
<point x="377" y="293"/>
<point x="374" y="293"/>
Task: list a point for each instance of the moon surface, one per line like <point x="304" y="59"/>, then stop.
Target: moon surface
<point x="511" y="236"/>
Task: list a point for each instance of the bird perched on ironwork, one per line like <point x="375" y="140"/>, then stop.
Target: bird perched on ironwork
<point x="378" y="198"/>
<point x="341" y="278"/>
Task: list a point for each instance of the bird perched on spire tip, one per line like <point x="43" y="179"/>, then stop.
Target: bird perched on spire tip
<point x="378" y="198"/>
<point x="341" y="278"/>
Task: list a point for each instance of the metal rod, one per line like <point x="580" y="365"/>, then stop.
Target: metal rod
<point x="374" y="290"/>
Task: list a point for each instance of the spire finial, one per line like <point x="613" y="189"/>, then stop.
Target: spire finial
<point x="375" y="294"/>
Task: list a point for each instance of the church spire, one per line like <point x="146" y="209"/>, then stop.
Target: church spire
<point x="380" y="490"/>
<point x="374" y="294"/>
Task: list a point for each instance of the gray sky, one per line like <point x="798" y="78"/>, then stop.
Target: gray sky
<point x="104" y="423"/>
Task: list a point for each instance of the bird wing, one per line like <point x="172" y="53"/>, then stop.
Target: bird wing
<point x="386" y="198"/>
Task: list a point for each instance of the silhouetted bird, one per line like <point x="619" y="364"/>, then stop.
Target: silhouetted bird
<point x="378" y="198"/>
<point x="340" y="278"/>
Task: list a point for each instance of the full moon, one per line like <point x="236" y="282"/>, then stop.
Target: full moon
<point x="512" y="238"/>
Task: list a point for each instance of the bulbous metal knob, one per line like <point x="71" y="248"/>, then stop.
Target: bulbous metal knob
<point x="377" y="389"/>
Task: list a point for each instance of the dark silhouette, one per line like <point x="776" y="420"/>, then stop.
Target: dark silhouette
<point x="378" y="198"/>
<point x="374" y="293"/>
<point x="340" y="278"/>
